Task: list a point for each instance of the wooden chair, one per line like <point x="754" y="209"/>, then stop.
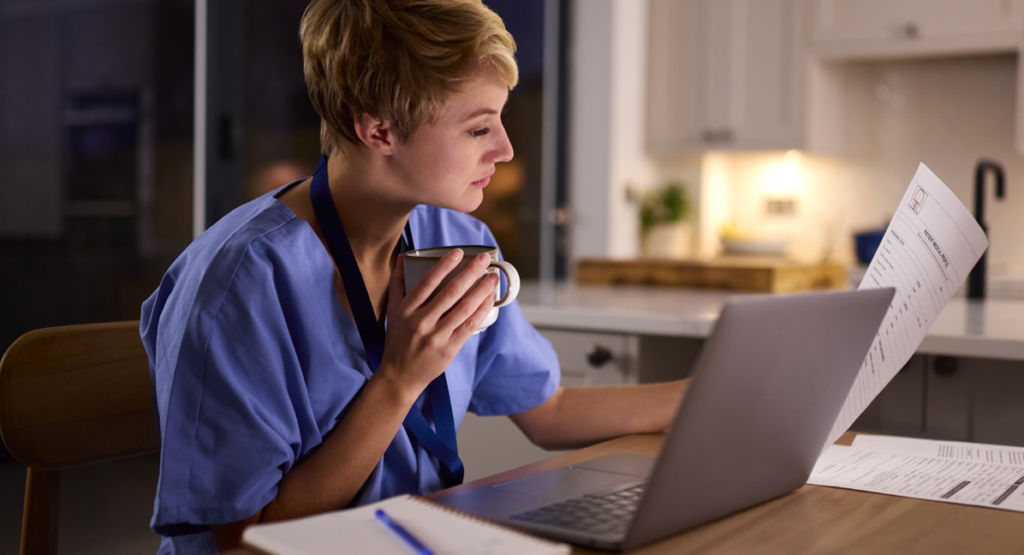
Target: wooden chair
<point x="72" y="396"/>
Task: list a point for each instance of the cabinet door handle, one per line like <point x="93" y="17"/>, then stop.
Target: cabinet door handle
<point x="717" y="135"/>
<point x="598" y="356"/>
<point x="945" y="366"/>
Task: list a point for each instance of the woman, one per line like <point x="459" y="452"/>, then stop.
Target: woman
<point x="292" y="374"/>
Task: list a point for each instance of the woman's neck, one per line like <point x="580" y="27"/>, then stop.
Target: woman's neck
<point x="373" y="224"/>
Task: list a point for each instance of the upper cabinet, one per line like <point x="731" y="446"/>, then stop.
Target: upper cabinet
<point x="725" y="74"/>
<point x="744" y="74"/>
<point x="873" y="29"/>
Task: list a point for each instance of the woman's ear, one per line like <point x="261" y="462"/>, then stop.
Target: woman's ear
<point x="377" y="134"/>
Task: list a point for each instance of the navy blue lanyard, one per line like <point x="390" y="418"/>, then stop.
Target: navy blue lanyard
<point x="441" y="443"/>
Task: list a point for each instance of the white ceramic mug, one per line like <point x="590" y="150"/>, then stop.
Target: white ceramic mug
<point x="417" y="263"/>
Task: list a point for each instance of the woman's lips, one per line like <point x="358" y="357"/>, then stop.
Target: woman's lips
<point x="483" y="182"/>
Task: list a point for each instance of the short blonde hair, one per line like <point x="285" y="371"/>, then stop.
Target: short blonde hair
<point x="397" y="60"/>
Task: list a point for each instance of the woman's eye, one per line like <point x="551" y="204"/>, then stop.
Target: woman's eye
<point x="481" y="132"/>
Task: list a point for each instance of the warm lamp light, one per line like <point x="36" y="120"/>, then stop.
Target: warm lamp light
<point x="783" y="178"/>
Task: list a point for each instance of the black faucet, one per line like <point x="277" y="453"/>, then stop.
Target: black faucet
<point x="976" y="281"/>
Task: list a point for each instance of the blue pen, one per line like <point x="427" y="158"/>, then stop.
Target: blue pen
<point x="403" y="533"/>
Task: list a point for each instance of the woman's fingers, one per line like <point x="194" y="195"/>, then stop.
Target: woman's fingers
<point x="471" y="311"/>
<point x="433" y="277"/>
<point x="470" y="326"/>
<point x="449" y="295"/>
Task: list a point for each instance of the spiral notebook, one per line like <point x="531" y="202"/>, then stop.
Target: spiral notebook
<point x="444" y="531"/>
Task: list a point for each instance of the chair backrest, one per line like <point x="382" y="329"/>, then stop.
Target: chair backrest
<point x="72" y="396"/>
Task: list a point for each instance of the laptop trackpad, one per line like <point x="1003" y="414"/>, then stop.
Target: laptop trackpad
<point x="635" y="465"/>
<point x="564" y="483"/>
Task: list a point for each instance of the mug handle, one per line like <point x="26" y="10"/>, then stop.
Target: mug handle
<point x="513" y="282"/>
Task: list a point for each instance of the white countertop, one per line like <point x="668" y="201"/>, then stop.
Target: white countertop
<point x="987" y="329"/>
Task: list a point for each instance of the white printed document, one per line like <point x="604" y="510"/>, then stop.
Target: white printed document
<point x="958" y="450"/>
<point x="954" y="479"/>
<point x="927" y="252"/>
<point x="929" y="249"/>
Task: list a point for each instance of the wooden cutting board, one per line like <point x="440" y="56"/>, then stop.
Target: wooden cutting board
<point x="764" y="275"/>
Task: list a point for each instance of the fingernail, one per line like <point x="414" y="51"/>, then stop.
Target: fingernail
<point x="455" y="254"/>
<point x="484" y="259"/>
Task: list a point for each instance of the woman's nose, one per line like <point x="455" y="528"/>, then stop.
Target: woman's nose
<point x="502" y="151"/>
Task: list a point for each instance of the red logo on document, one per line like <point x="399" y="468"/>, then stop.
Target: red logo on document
<point x="917" y="199"/>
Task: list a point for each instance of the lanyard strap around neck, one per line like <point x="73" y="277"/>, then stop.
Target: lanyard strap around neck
<point x="442" y="443"/>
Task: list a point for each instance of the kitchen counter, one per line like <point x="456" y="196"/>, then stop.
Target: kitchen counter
<point x="981" y="329"/>
<point x="987" y="329"/>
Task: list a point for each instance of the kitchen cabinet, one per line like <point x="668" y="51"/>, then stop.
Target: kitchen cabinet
<point x="951" y="398"/>
<point x="975" y="399"/>
<point x="589" y="358"/>
<point x="899" y="408"/>
<point x="872" y="29"/>
<point x="725" y="74"/>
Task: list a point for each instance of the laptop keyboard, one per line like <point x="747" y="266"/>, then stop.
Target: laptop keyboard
<point x="595" y="514"/>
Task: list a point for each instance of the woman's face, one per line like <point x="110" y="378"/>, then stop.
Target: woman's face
<point x="448" y="163"/>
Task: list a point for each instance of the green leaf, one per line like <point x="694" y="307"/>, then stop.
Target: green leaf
<point x="666" y="204"/>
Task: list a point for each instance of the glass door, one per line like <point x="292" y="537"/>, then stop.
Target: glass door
<point x="95" y="157"/>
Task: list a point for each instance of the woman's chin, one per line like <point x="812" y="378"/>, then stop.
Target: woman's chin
<point x="467" y="204"/>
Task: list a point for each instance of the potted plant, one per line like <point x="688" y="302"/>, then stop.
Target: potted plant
<point x="664" y="228"/>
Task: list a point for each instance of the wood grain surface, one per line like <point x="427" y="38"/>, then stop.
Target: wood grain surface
<point x="813" y="519"/>
<point x="76" y="395"/>
<point x="755" y="274"/>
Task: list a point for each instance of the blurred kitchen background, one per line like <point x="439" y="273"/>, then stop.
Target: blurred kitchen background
<point x="128" y="126"/>
<point x="794" y="121"/>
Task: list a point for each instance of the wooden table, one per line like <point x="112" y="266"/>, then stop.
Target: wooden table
<point x="813" y="519"/>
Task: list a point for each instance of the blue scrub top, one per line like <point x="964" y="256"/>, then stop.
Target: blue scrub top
<point x="254" y="360"/>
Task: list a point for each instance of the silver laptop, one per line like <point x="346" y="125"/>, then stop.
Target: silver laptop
<point x="768" y="386"/>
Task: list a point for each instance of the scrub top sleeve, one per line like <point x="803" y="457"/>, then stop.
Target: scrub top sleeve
<point x="517" y="369"/>
<point x="239" y="412"/>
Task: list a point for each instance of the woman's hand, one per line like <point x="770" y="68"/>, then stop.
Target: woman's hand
<point x="425" y="333"/>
